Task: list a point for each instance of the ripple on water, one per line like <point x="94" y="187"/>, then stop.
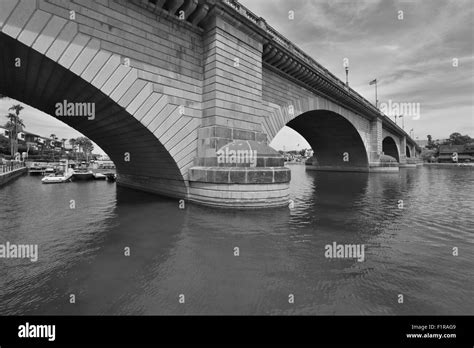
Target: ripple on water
<point x="191" y="251"/>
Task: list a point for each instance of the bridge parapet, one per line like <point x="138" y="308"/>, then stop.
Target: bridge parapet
<point x="193" y="12"/>
<point x="280" y="54"/>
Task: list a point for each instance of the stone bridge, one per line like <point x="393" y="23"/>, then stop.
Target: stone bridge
<point x="188" y="94"/>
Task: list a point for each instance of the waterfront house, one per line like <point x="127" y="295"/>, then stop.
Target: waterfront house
<point x="465" y="153"/>
<point x="24" y="137"/>
<point x="30" y="139"/>
<point x="4" y="132"/>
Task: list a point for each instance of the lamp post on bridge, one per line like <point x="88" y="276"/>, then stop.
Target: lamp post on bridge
<point x="346" y="67"/>
<point x="374" y="82"/>
<point x="403" y="120"/>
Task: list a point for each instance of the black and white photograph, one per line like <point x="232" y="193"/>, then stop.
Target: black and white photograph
<point x="255" y="166"/>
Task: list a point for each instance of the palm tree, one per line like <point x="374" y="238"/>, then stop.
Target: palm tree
<point x="72" y="142"/>
<point x="88" y="148"/>
<point x="53" y="138"/>
<point x="63" y="146"/>
<point x="80" y="144"/>
<point x="14" y="125"/>
<point x="10" y="126"/>
<point x="86" y="145"/>
<point x="41" y="146"/>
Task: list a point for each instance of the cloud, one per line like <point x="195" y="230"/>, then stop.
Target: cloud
<point x="412" y="58"/>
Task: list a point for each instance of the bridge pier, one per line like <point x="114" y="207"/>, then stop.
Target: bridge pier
<point x="239" y="174"/>
<point x="234" y="166"/>
<point x="378" y="162"/>
<point x="234" y="187"/>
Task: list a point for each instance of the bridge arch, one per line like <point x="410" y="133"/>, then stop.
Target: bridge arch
<point x="331" y="130"/>
<point x="390" y="148"/>
<point x="123" y="124"/>
<point x="336" y="142"/>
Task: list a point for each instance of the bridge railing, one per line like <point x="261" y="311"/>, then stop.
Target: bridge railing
<point x="276" y="36"/>
<point x="283" y="41"/>
<point x="243" y="10"/>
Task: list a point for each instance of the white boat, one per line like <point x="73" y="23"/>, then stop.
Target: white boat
<point x="99" y="176"/>
<point x="53" y="179"/>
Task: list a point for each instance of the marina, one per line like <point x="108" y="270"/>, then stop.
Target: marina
<point x="66" y="171"/>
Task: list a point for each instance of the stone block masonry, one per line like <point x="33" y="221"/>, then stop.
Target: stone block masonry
<point x="171" y="92"/>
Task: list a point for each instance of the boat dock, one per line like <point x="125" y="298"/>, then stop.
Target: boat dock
<point x="9" y="172"/>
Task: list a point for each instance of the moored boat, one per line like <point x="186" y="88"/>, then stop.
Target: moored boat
<point x="35" y="170"/>
<point x="82" y="175"/>
<point x="99" y="176"/>
<point x="111" y="177"/>
<point x="55" y="179"/>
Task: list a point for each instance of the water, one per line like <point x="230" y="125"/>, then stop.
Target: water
<point x="81" y="251"/>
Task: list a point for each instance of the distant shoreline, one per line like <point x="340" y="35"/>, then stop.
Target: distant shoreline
<point x="470" y="165"/>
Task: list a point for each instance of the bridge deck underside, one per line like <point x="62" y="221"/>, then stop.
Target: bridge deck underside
<point x="41" y="83"/>
<point x="335" y="141"/>
<point x="389" y="147"/>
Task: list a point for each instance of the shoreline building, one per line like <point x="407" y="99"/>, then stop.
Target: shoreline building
<point x="465" y="153"/>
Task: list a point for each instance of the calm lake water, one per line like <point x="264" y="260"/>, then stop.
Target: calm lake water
<point x="408" y="251"/>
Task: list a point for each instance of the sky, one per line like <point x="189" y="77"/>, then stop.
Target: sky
<point x="411" y="58"/>
<point x="423" y="55"/>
